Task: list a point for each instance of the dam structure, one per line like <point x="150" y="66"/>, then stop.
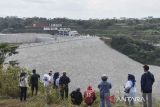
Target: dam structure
<point x="84" y="58"/>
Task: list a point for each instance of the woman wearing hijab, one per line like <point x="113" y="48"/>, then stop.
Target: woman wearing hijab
<point x="130" y="90"/>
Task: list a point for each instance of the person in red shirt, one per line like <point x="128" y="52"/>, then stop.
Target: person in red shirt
<point x="89" y="96"/>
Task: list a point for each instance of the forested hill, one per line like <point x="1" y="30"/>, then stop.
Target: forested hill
<point x="101" y="27"/>
<point x="146" y="30"/>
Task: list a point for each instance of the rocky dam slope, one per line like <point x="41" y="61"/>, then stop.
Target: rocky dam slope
<point x="84" y="60"/>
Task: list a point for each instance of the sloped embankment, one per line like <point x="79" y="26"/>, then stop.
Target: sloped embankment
<point x="84" y="61"/>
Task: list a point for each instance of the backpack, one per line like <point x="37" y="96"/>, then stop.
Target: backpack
<point x="89" y="97"/>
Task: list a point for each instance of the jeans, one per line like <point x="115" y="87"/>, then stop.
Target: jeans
<point x="104" y="102"/>
<point x="149" y="101"/>
<point x="23" y="93"/>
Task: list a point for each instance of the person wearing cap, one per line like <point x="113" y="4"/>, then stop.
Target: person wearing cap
<point x="89" y="96"/>
<point x="130" y="90"/>
<point x="63" y="83"/>
<point x="104" y="88"/>
<point x="76" y="97"/>
<point x="34" y="81"/>
<point x="147" y="80"/>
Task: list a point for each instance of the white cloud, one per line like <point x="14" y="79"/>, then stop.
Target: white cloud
<point x="80" y="8"/>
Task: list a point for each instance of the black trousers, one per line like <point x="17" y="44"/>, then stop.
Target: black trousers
<point x="64" y="91"/>
<point x="23" y="93"/>
<point x="34" y="87"/>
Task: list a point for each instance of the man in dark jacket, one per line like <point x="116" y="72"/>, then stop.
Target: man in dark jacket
<point x="63" y="82"/>
<point x="147" y="81"/>
<point x="76" y="97"/>
<point x="34" y="81"/>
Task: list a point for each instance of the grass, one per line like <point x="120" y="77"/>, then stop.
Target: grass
<point x="9" y="89"/>
<point x="41" y="103"/>
<point x="54" y="101"/>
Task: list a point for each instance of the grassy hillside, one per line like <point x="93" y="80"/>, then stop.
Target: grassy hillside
<point x="142" y="51"/>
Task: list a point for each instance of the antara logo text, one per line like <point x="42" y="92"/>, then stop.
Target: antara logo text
<point x="112" y="99"/>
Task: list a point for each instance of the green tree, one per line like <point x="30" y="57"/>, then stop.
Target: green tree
<point x="6" y="50"/>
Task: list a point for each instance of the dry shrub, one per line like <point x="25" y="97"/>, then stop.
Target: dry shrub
<point x="9" y="82"/>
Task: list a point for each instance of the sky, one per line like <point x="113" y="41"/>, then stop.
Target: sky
<point x="80" y="9"/>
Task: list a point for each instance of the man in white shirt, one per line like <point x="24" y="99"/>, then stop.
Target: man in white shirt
<point x="47" y="80"/>
<point x="47" y="84"/>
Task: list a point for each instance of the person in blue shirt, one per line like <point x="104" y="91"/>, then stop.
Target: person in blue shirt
<point x="104" y="88"/>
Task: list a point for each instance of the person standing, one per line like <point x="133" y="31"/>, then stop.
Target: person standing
<point x="57" y="86"/>
<point x="130" y="90"/>
<point x="34" y="81"/>
<point x="104" y="88"/>
<point x="51" y="79"/>
<point x="57" y="82"/>
<point x="76" y="97"/>
<point x="55" y="77"/>
<point x="89" y="96"/>
<point x="47" y="84"/>
<point x="63" y="82"/>
<point x="147" y="81"/>
<point x="23" y="84"/>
